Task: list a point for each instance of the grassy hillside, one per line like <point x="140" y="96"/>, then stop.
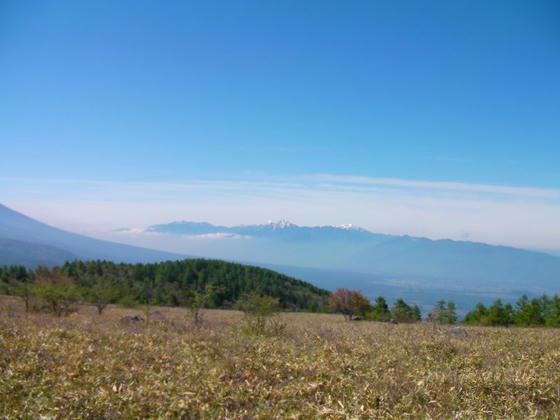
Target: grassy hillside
<point x="90" y="366"/>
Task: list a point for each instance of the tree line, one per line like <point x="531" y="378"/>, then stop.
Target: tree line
<point x="543" y="311"/>
<point x="195" y="283"/>
<point x="353" y="305"/>
<point x="170" y="283"/>
<point x="200" y="283"/>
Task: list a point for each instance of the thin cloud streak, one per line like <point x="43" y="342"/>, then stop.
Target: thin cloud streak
<point x="315" y="181"/>
<point x="441" y="185"/>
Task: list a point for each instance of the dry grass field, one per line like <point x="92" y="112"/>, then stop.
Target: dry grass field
<point x="90" y="366"/>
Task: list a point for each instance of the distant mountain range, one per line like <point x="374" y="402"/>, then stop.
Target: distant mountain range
<point x="283" y="230"/>
<point x="400" y="259"/>
<point x="28" y="242"/>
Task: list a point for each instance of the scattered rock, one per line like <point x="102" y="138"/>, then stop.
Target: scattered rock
<point x="457" y="332"/>
<point x="131" y="319"/>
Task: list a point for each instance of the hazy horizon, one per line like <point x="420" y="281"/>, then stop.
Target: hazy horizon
<point x="135" y="233"/>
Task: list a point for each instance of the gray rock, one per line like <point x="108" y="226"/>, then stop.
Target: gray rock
<point x="131" y="319"/>
<point x="456" y="332"/>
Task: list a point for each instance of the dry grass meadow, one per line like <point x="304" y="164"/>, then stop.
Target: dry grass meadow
<point x="90" y="366"/>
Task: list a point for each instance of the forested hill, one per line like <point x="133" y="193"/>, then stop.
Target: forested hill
<point x="165" y="283"/>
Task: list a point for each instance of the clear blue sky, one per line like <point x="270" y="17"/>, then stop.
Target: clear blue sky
<point x="452" y="90"/>
<point x="171" y="92"/>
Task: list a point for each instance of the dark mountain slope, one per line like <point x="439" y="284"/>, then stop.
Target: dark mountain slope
<point x="470" y="263"/>
<point x="13" y="252"/>
<point x="16" y="226"/>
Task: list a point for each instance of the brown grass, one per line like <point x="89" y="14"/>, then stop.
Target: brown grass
<point x="90" y="366"/>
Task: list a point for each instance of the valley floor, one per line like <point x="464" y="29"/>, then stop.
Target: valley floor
<point x="91" y="366"/>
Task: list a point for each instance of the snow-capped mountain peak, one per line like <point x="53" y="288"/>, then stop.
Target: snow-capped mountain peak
<point x="282" y="224"/>
<point x="350" y="226"/>
<point x="282" y="229"/>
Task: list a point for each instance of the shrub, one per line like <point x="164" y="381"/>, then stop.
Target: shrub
<point x="313" y="306"/>
<point x="127" y="301"/>
<point x="402" y="312"/>
<point x="379" y="311"/>
<point x="197" y="300"/>
<point x="25" y="292"/>
<point x="57" y="291"/>
<point x="444" y="314"/>
<point x="101" y="293"/>
<point x="258" y="312"/>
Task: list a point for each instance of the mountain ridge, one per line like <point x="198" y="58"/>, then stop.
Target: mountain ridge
<point x="183" y="227"/>
<point x="16" y="226"/>
<point x="284" y="228"/>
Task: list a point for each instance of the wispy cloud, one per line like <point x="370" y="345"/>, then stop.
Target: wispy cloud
<point x="134" y="232"/>
<point x="439" y="186"/>
<point x="291" y="184"/>
<point x="500" y="214"/>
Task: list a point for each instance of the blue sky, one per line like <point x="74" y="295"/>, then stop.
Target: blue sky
<point x="173" y="93"/>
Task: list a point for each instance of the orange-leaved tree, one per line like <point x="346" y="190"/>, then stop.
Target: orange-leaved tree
<point x="349" y="302"/>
